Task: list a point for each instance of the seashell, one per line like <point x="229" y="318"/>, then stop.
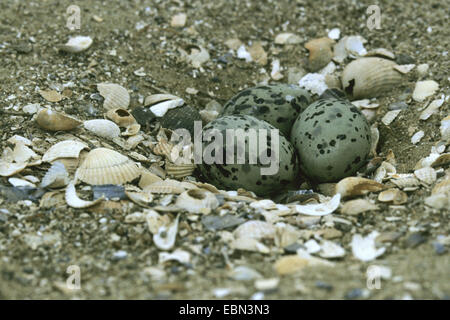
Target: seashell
<point x="417" y="137"/>
<point x="320" y="52"/>
<point x="404" y="68"/>
<point x="166" y="186"/>
<point x="380" y="52"/>
<point x="287" y="38"/>
<point x="77" y="44"/>
<point x="406" y="182"/>
<point x="9" y="169"/>
<point x="442" y="187"/>
<point x="197" y="201"/>
<point x="369" y="77"/>
<point x="115" y="96"/>
<point x="320" y="209"/>
<point x="74" y="201"/>
<point x="16" y="182"/>
<point x="357" y="206"/>
<point x="384" y="169"/>
<point x="291" y="264"/>
<point x="356" y="186"/>
<point x="161" y="108"/>
<point x="121" y="117"/>
<point x="163" y="148"/>
<point x="106" y="166"/>
<point x="23" y="154"/>
<point x="56" y="177"/>
<point x="424" y="89"/>
<point x="132" y="130"/>
<point x="140" y="198"/>
<point x="148" y="178"/>
<point x="54" y="121"/>
<point x="255" y="229"/>
<point x="364" y="248"/>
<point x="445" y="129"/>
<point x="431" y="109"/>
<point x="64" y="149"/>
<point x="103" y="128"/>
<point x="438" y="201"/>
<point x="181" y="118"/>
<point x="285" y="235"/>
<point x="166" y="236"/>
<point x="160" y="97"/>
<point x="426" y="175"/>
<point x="16" y="139"/>
<point x="51" y="95"/>
<point x="331" y="250"/>
<point x="390" y="116"/>
<point x="441" y="160"/>
<point x="393" y="195"/>
<point x="178" y="255"/>
<point x="179" y="171"/>
<point x="375" y="137"/>
<point x="155" y="221"/>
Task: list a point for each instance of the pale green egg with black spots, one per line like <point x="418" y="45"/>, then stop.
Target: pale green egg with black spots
<point x="277" y="104"/>
<point x="255" y="155"/>
<point x="332" y="138"/>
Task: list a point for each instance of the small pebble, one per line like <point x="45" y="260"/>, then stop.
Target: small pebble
<point x="439" y="248"/>
<point x="402" y="105"/>
<point x="415" y="240"/>
<point x="324" y="285"/>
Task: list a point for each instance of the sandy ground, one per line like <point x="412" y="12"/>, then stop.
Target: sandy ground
<point x="30" y="32"/>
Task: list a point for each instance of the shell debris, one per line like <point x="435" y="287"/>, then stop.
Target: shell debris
<point x="390" y="116"/>
<point x="115" y="96"/>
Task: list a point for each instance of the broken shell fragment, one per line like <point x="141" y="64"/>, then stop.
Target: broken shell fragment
<point x="427" y="175"/>
<point x="424" y="89"/>
<point x="357" y="206"/>
<point x="407" y="181"/>
<point x="77" y="44"/>
<point x="432" y="108"/>
<point x="121" y="117"/>
<point x="320" y="52"/>
<point x="166" y="236"/>
<point x="115" y="95"/>
<point x="103" y="128"/>
<point x="56" y="177"/>
<point x="197" y="201"/>
<point x="179" y="171"/>
<point x="393" y="195"/>
<point x="255" y="229"/>
<point x="356" y="186"/>
<point x="140" y="198"/>
<point x="9" y="169"/>
<point x="390" y="116"/>
<point x="132" y="130"/>
<point x="369" y="77"/>
<point x="51" y="95"/>
<point x="64" y="149"/>
<point x="106" y="166"/>
<point x="442" y="187"/>
<point x="54" y="121"/>
<point x="320" y="209"/>
<point x="74" y="201"/>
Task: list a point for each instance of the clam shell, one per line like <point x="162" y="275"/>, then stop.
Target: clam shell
<point x="115" y="95"/>
<point x="432" y="108"/>
<point x="166" y="236"/>
<point x="406" y="182"/>
<point x="161" y="108"/>
<point x="55" y="121"/>
<point x="160" y="97"/>
<point x="23" y="154"/>
<point x="64" y="149"/>
<point x="155" y="221"/>
<point x="148" y="178"/>
<point x="8" y="169"/>
<point x="179" y="170"/>
<point x="255" y="229"/>
<point x="369" y="77"/>
<point x="56" y="177"/>
<point x="390" y="116"/>
<point x="426" y="175"/>
<point x="357" y="206"/>
<point x="77" y="44"/>
<point x="320" y="209"/>
<point x="140" y="198"/>
<point x="356" y="186"/>
<point x="197" y="201"/>
<point x="393" y="195"/>
<point x="74" y="201"/>
<point x="122" y="117"/>
<point x="384" y="169"/>
<point x="103" y="128"/>
<point x="106" y="166"/>
<point x="424" y="89"/>
<point x="375" y="137"/>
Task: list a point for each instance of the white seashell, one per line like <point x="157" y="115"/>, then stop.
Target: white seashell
<point x="159" y="97"/>
<point x="383" y="170"/>
<point x="161" y="108"/>
<point x="64" y="149"/>
<point x="166" y="236"/>
<point x="393" y="195"/>
<point x="285" y="234"/>
<point x="364" y="248"/>
<point x="32" y="179"/>
<point x="427" y="175"/>
<point x="16" y="182"/>
<point x="438" y="201"/>
<point x="356" y="186"/>
<point x="334" y="34"/>
<point x="442" y="187"/>
<point x="178" y="255"/>
<point x="369" y="77"/>
<point x="105" y="166"/>
<point x="287" y="38"/>
<point x="8" y="169"/>
<point x="404" y="68"/>
<point x="22" y="153"/>
<point x="431" y="109"/>
<point x="390" y="116"/>
<point x="56" y="177"/>
<point x="115" y="95"/>
<point x="445" y="129"/>
<point x="249" y="244"/>
<point x="417" y="137"/>
<point x="255" y="229"/>
<point x="320" y="209"/>
<point x="16" y="139"/>
<point x="197" y="201"/>
<point x="357" y="206"/>
<point x="424" y="89"/>
<point x="103" y="128"/>
<point x="179" y="171"/>
<point x="441" y="160"/>
<point x="375" y="137"/>
<point x="140" y="198"/>
<point x="132" y="130"/>
<point x="55" y="121"/>
<point x="381" y="52"/>
<point x="313" y="82"/>
<point x="312" y="246"/>
<point x="330" y="250"/>
<point x="355" y="45"/>
<point x="75" y="202"/>
<point x="155" y="221"/>
<point x="406" y="182"/>
<point x="77" y="44"/>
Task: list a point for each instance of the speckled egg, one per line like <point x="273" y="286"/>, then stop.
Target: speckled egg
<point x="332" y="139"/>
<point x="277" y="104"/>
<point x="226" y="173"/>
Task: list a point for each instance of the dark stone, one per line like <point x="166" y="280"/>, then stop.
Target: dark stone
<point x="324" y="285"/>
<point x="354" y="294"/>
<point x="110" y="191"/>
<point x="415" y="240"/>
<point x="212" y="222"/>
<point x="404" y="59"/>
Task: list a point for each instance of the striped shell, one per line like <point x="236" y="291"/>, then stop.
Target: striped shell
<point x="55" y="121"/>
<point x="179" y="170"/>
<point x="106" y="166"/>
<point x="56" y="177"/>
<point x="426" y="175"/>
<point x="115" y="95"/>
<point x="369" y="77"/>
<point x="103" y="128"/>
<point x="64" y="149"/>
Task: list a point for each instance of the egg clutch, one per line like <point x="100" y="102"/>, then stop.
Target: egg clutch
<point x="326" y="140"/>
